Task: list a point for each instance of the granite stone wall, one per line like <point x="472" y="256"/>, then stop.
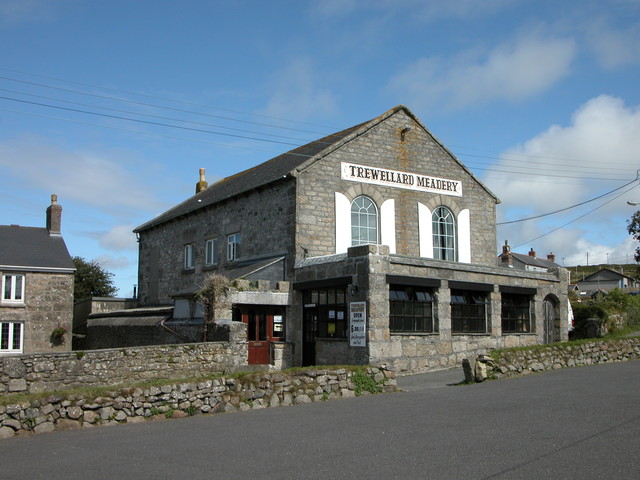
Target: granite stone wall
<point x="526" y="361"/>
<point x="174" y="400"/>
<point x="381" y="146"/>
<point x="57" y="371"/>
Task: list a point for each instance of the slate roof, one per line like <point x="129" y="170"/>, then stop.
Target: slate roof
<point x="534" y="261"/>
<point x="607" y="273"/>
<point x="281" y="167"/>
<point x="32" y="248"/>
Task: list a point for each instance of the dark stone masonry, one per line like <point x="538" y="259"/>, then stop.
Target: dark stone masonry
<point x="181" y="399"/>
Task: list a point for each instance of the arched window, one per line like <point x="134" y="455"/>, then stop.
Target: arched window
<point x="444" y="234"/>
<point x="364" y="221"/>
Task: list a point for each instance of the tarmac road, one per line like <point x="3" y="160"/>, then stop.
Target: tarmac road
<point x="574" y="423"/>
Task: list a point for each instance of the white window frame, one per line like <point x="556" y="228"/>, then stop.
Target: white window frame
<point x="365" y="211"/>
<point x="211" y="252"/>
<point x="8" y="337"/>
<point x="449" y="251"/>
<point x="233" y="242"/>
<point x="10" y="288"/>
<point x="189" y="257"/>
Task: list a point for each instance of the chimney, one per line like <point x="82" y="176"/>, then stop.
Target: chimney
<point x="202" y="184"/>
<point x="532" y="253"/>
<point x="54" y="216"/>
<point x="506" y="254"/>
<point x="551" y="257"/>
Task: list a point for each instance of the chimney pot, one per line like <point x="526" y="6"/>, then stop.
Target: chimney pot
<point x="202" y="184"/>
<point x="54" y="216"/>
<point x="551" y="257"/>
<point x="532" y="253"/>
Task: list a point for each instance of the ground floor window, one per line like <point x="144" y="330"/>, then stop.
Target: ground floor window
<point x="516" y="313"/>
<point x="11" y="337"/>
<point x="328" y="308"/>
<point x="411" y="309"/>
<point x="468" y="311"/>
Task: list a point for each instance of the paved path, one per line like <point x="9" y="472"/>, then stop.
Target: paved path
<point x="573" y="423"/>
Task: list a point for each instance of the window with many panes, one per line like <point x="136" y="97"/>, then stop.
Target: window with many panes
<point x="331" y="307"/>
<point x="211" y="252"/>
<point x="364" y="221"/>
<point x="516" y="313"/>
<point x="444" y="234"/>
<point x="233" y="246"/>
<point x="469" y="311"/>
<point x="13" y="288"/>
<point x="412" y="310"/>
<point x="11" y="337"/>
<point x="189" y="257"/>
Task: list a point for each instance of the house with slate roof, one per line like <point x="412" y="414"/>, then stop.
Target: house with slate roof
<point x="527" y="262"/>
<point x="372" y="245"/>
<point x="37" y="287"/>
<point x="606" y="279"/>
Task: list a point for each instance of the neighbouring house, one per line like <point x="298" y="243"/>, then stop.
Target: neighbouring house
<point x="371" y="245"/>
<point x="528" y="262"/>
<point x="37" y="287"/>
<point x="604" y="280"/>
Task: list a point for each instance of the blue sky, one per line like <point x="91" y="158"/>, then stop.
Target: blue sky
<point x="114" y="106"/>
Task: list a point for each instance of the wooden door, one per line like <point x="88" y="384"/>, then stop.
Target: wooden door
<point x="264" y="326"/>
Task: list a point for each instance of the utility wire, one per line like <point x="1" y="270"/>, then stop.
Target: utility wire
<point x="576" y="219"/>
<point x="156" y="106"/>
<point x="572" y="206"/>
<point x="165" y="99"/>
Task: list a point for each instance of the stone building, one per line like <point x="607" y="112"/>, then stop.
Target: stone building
<point x="36" y="304"/>
<point x="371" y="245"/>
<point x="529" y="262"/>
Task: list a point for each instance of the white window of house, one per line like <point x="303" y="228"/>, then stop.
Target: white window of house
<point x="189" y="258"/>
<point x="211" y="252"/>
<point x="11" y="335"/>
<point x="233" y="246"/>
<point x="444" y="234"/>
<point x="364" y="221"/>
<point x="13" y="288"/>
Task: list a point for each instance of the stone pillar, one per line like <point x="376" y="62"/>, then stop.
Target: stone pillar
<point x="495" y="313"/>
<point x="444" y="310"/>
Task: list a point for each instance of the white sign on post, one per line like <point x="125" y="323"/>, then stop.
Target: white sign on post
<point x="358" y="324"/>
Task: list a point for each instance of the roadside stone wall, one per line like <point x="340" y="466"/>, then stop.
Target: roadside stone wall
<point x="523" y="362"/>
<point x="57" y="371"/>
<point x="224" y="394"/>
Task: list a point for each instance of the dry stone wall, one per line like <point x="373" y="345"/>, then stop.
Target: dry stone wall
<point x="525" y="361"/>
<point x="50" y="372"/>
<point x="224" y="394"/>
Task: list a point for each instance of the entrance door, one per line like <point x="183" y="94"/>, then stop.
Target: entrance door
<point x="310" y="326"/>
<point x="264" y="325"/>
<point x="550" y="316"/>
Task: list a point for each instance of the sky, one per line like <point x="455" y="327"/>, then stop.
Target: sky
<point x="114" y="106"/>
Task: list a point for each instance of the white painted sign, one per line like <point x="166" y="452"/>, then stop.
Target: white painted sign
<point x="397" y="179"/>
<point x="358" y="324"/>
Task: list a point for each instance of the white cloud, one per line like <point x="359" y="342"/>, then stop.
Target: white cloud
<point x="511" y="71"/>
<point x="615" y="46"/>
<point x="120" y="237"/>
<point x="296" y="94"/>
<point x="92" y="179"/>
<point x="602" y="141"/>
<point x="110" y="263"/>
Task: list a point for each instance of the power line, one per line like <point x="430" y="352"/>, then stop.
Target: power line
<point x="569" y="208"/>
<point x="575" y="219"/>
